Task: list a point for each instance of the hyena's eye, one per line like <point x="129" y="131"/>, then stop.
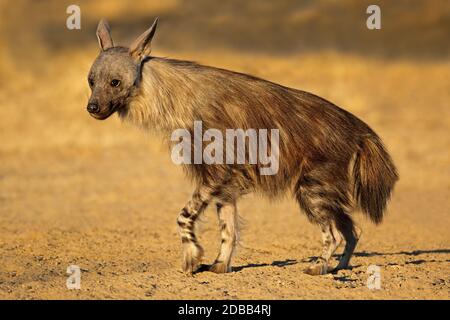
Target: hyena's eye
<point x="91" y="82"/>
<point x="115" y="83"/>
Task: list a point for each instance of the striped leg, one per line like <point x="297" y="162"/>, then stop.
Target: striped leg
<point x="324" y="199"/>
<point x="331" y="240"/>
<point x="229" y="228"/>
<point x="192" y="251"/>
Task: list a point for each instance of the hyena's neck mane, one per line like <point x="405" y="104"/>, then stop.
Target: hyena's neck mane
<point x="172" y="94"/>
<point x="157" y="102"/>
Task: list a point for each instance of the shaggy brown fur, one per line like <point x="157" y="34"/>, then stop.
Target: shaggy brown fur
<point x="331" y="161"/>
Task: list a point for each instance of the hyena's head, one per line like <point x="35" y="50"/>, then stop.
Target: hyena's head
<point x="116" y="71"/>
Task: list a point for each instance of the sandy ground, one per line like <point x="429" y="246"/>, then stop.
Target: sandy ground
<point x="105" y="196"/>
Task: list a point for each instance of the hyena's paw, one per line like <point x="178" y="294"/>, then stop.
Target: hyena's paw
<point x="220" y="267"/>
<point x="192" y="255"/>
<point x="317" y="269"/>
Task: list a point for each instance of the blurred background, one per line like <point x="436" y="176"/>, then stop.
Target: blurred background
<point x="58" y="207"/>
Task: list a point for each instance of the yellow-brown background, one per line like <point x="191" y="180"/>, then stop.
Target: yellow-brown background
<point x="105" y="196"/>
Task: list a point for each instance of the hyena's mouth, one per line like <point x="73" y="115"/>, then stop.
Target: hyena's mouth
<point x="112" y="107"/>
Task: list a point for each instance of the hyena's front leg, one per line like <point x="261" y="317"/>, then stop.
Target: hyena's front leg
<point x="192" y="251"/>
<point x="228" y="221"/>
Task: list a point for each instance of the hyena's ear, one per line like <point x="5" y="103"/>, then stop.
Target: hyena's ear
<point x="104" y="35"/>
<point x="142" y="46"/>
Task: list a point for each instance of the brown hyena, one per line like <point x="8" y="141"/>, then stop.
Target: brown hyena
<point x="330" y="160"/>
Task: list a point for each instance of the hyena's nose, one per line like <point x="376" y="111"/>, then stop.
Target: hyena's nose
<point x="93" y="108"/>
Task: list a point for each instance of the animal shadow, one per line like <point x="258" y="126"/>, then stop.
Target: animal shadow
<point x="276" y="263"/>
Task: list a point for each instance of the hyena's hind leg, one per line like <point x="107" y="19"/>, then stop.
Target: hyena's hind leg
<point x="229" y="229"/>
<point x="325" y="204"/>
<point x="192" y="251"/>
<point x="351" y="234"/>
<point x="330" y="240"/>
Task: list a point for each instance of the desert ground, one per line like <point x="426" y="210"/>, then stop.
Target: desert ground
<point x="105" y="196"/>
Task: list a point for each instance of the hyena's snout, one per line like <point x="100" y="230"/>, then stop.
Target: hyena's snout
<point x="99" y="110"/>
<point x="93" y="107"/>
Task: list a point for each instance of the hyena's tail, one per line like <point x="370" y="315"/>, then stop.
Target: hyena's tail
<point x="374" y="176"/>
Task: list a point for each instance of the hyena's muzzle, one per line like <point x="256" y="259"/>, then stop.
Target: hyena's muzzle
<point x="100" y="112"/>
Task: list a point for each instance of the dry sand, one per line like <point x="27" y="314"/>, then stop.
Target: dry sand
<point x="105" y="196"/>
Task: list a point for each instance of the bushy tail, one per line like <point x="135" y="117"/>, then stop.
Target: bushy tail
<point x="374" y="176"/>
